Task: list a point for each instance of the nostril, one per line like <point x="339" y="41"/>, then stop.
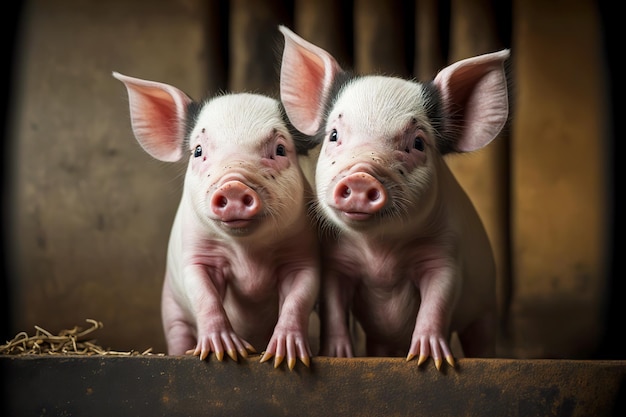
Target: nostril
<point x="248" y="200"/>
<point x="345" y="192"/>
<point x="222" y="201"/>
<point x="373" y="194"/>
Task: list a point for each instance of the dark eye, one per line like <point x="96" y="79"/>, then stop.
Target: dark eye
<point x="197" y="152"/>
<point x="333" y="135"/>
<point x="280" y="150"/>
<point x="418" y="144"/>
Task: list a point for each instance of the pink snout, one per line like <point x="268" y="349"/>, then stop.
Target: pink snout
<point x="359" y="195"/>
<point x="234" y="200"/>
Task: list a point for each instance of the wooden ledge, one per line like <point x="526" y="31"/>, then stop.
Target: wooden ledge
<point x="150" y="385"/>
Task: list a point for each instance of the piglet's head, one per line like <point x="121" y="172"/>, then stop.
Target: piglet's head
<point x="242" y="159"/>
<point x="382" y="138"/>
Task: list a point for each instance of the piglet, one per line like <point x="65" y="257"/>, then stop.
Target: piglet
<point x="242" y="262"/>
<point x="406" y="252"/>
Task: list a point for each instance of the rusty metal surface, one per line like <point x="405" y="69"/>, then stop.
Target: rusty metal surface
<point x="171" y="386"/>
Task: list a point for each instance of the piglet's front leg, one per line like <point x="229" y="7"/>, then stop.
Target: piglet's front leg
<point x="297" y="295"/>
<point x="215" y="333"/>
<point x="334" y="315"/>
<point x="439" y="289"/>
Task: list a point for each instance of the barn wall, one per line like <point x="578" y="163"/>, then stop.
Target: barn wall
<point x="89" y="212"/>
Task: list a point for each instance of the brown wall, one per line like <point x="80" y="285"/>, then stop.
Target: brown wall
<point x="90" y="212"/>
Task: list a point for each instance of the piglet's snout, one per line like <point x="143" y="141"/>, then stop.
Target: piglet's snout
<point x="234" y="200"/>
<point x="359" y="193"/>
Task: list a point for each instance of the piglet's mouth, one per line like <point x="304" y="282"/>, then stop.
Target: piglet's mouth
<point x="237" y="223"/>
<point x="356" y="215"/>
<point x="240" y="226"/>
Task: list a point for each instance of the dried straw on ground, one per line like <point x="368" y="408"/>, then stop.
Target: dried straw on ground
<point x="67" y="342"/>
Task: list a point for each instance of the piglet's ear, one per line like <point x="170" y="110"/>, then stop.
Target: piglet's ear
<point x="474" y="93"/>
<point x="306" y="75"/>
<point x="157" y="113"/>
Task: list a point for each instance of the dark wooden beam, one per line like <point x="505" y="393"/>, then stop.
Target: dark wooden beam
<point x="170" y="386"/>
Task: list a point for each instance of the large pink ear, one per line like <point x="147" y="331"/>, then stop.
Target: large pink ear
<point x="157" y="114"/>
<point x="306" y="75"/>
<point x="474" y="92"/>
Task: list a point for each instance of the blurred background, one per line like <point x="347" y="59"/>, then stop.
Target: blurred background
<point x="87" y="214"/>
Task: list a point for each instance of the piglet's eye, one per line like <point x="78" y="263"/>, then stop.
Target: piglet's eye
<point x="419" y="144"/>
<point x="333" y="136"/>
<point x="280" y="150"/>
<point x="197" y="152"/>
